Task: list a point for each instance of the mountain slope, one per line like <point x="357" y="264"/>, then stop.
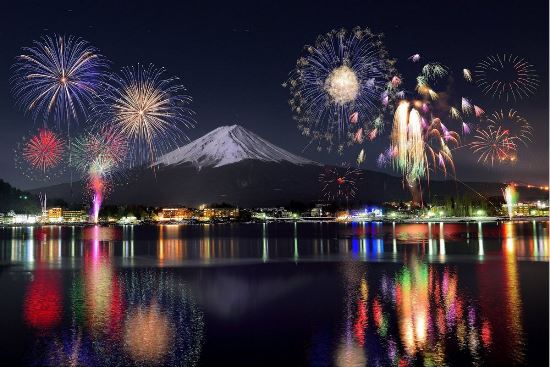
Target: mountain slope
<point x="227" y="145"/>
<point x="238" y="167"/>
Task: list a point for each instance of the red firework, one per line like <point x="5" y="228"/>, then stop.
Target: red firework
<point x="44" y="150"/>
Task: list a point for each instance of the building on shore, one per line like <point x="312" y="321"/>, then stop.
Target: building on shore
<point x="527" y="209"/>
<point x="55" y="215"/>
<point x="12" y="218"/>
<point x="219" y="213"/>
<point x="176" y="214"/>
<point x="74" y="216"/>
<point x="272" y="213"/>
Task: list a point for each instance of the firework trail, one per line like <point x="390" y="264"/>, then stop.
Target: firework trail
<point x="339" y="183"/>
<point x="510" y="197"/>
<point x="343" y="83"/>
<point x="149" y="110"/>
<point x="40" y="156"/>
<point x="427" y="125"/>
<point x="493" y="145"/>
<point x="58" y="77"/>
<point x="421" y="140"/>
<point x="506" y="77"/>
<point x="100" y="156"/>
<point x="97" y="185"/>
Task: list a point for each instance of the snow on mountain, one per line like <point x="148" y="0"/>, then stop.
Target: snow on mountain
<point x="226" y="145"/>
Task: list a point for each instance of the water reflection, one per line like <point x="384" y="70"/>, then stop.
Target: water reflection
<point x="116" y="317"/>
<point x="174" y="245"/>
<point x="420" y="294"/>
<point x="148" y="334"/>
<point x="43" y="300"/>
<point x="421" y="314"/>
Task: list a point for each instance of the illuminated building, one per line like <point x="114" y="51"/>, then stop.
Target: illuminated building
<point x="73" y="216"/>
<point x="12" y="218"/>
<point x="319" y="211"/>
<point x="176" y="214"/>
<point x="537" y="208"/>
<point x="55" y="215"/>
<point x="220" y="213"/>
<point x="128" y="220"/>
<point x="272" y="213"/>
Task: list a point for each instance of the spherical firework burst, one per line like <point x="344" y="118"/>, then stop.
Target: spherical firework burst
<point x="506" y="77"/>
<point x="41" y="155"/>
<point x="517" y="127"/>
<point x="150" y="111"/>
<point x="338" y="183"/>
<point x="342" y="85"/>
<point x="493" y="144"/>
<point x="59" y="76"/>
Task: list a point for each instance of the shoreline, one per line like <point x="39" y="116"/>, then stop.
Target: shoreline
<point x="309" y="220"/>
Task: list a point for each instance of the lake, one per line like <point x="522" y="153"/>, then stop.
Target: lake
<point x="281" y="294"/>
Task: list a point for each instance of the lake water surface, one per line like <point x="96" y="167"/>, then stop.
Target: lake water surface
<point x="281" y="294"/>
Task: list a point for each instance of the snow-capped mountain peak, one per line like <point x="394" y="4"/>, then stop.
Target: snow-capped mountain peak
<point x="227" y="145"/>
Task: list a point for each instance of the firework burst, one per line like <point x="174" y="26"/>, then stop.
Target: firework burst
<point x="59" y="76"/>
<point x="149" y="110"/>
<point x="493" y="145"/>
<point x="41" y="155"/>
<point x="343" y="83"/>
<point x="101" y="146"/>
<point x="420" y="143"/>
<point x="100" y="156"/>
<point x="506" y="77"/>
<point x="517" y="127"/>
<point x="339" y="183"/>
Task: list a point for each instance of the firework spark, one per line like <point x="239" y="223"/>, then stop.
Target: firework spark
<point x="454" y="112"/>
<point x="361" y="157"/>
<point x="467" y="106"/>
<point x="345" y="76"/>
<point x="493" y="145"/>
<point x="478" y="111"/>
<point x="467" y="74"/>
<point x="434" y="70"/>
<point x="506" y="77"/>
<point x="415" y="58"/>
<point x="150" y="111"/>
<point x="338" y="183"/>
<point x="59" y="76"/>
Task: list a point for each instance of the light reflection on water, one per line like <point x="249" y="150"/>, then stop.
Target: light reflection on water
<point x="117" y="295"/>
<point x="174" y="245"/>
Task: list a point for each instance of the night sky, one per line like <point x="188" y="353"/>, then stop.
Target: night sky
<point x="234" y="56"/>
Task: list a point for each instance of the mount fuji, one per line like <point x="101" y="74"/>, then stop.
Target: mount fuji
<point x="228" y="145"/>
<point x="232" y="164"/>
